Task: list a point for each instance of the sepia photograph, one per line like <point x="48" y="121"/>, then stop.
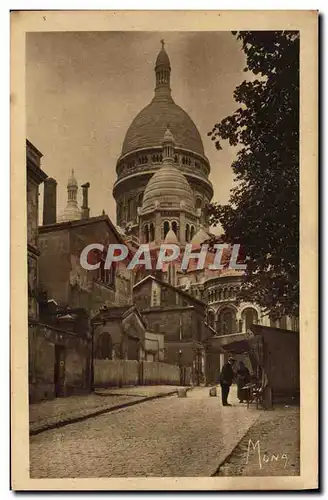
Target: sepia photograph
<point x="164" y="293"/>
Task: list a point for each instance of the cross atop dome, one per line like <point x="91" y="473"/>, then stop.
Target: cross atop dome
<point x="163" y="71"/>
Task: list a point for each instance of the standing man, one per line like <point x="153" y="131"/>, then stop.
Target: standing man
<point x="225" y="379"/>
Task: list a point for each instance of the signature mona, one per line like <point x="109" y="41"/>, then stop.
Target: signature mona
<point x="264" y="458"/>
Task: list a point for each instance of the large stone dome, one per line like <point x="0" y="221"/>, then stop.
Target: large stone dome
<point x="148" y="127"/>
<point x="168" y="189"/>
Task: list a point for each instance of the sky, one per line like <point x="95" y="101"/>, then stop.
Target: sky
<point x="83" y="90"/>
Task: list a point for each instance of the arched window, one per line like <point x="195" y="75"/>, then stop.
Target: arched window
<point x="175" y="227"/>
<point x="146" y="234"/>
<point x="225" y="293"/>
<point x="187" y="233"/>
<point x="151" y="232"/>
<point x="105" y="346"/>
<point x="227" y="322"/>
<point x="198" y="203"/>
<point x="216" y="294"/>
<point x="166" y="227"/>
<point x="139" y="199"/>
<point x="192" y="232"/>
<point x="220" y="294"/>
<point x="211" y="318"/>
<point x="119" y="211"/>
<point x="130" y="209"/>
<point x="250" y="317"/>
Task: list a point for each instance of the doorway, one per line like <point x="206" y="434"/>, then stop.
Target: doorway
<point x="59" y="371"/>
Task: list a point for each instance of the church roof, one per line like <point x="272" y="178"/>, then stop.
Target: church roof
<point x="168" y="188"/>
<point x="148" y="127"/>
<point x="150" y="277"/>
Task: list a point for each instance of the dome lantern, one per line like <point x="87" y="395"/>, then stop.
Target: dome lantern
<point x="168" y="145"/>
<point x="168" y="188"/>
<point x="163" y="72"/>
<point x="71" y="211"/>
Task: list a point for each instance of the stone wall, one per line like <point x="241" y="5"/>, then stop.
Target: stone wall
<point x="160" y="373"/>
<point x="176" y="323"/>
<point x="119" y="373"/>
<point x="55" y="264"/>
<point x="43" y="341"/>
<point x="115" y="373"/>
<point x="142" y="295"/>
<point x="41" y="366"/>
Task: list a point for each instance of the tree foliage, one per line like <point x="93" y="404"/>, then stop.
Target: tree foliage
<point x="263" y="211"/>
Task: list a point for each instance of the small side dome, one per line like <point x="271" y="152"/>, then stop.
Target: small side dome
<point x="200" y="237"/>
<point x="171" y="238"/>
<point x="72" y="182"/>
<point x="167" y="189"/>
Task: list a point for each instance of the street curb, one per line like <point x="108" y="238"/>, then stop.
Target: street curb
<point x="228" y="454"/>
<point x="96" y="413"/>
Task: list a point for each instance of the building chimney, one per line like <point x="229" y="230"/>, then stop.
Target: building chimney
<point x="49" y="201"/>
<point x="85" y="208"/>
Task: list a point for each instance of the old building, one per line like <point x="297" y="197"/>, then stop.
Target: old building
<point x="58" y="337"/>
<point x="180" y="318"/>
<point x="121" y="333"/>
<point x="34" y="177"/>
<point x="61" y="273"/>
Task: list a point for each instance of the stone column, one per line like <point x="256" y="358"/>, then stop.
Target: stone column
<point x="182" y="228"/>
<point x="158" y="226"/>
<point x="85" y="208"/>
<point x="49" y="201"/>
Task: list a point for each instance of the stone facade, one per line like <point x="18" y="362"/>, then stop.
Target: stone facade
<point x="35" y="176"/>
<point x="59" y="362"/>
<point x="62" y="275"/>
<point x="122" y="333"/>
<point x="58" y="342"/>
<point x="181" y="318"/>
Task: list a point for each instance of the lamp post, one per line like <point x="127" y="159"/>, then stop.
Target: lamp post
<point x="180" y="365"/>
<point x="92" y="370"/>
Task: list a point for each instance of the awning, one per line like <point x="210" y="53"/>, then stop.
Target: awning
<point x="237" y="347"/>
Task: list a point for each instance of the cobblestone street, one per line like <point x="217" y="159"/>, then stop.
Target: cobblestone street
<point x="165" y="437"/>
<point x="61" y="410"/>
